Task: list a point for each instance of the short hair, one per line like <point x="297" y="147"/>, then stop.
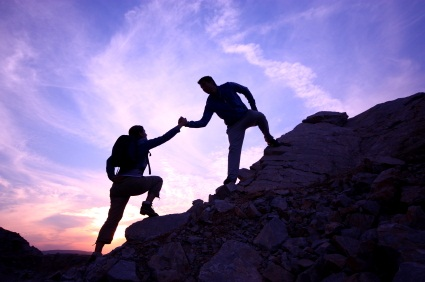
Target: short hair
<point x="135" y="130"/>
<point x="206" y="79"/>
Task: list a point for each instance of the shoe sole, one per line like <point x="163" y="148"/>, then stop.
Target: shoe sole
<point x="279" y="144"/>
<point x="149" y="214"/>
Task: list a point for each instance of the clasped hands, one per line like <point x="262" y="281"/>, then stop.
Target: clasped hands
<point x="182" y="121"/>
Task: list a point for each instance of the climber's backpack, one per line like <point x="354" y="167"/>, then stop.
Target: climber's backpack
<point x="124" y="154"/>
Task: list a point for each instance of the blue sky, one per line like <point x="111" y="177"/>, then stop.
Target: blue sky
<point x="77" y="74"/>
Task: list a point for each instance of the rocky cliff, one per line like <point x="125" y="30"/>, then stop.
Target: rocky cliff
<point x="344" y="202"/>
<point x="21" y="262"/>
<point x="16" y="256"/>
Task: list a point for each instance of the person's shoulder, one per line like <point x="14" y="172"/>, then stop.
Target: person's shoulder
<point x="229" y="83"/>
<point x="142" y="141"/>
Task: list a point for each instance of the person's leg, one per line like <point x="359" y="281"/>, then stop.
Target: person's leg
<point x="99" y="247"/>
<point x="116" y="211"/>
<point x="254" y="118"/>
<point x="150" y="197"/>
<point x="263" y="125"/>
<point x="120" y="194"/>
<point x="154" y="184"/>
<point x="235" y="134"/>
<point x="134" y="186"/>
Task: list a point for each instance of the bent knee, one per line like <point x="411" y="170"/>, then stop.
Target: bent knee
<point x="260" y="115"/>
<point x="156" y="188"/>
<point x="159" y="180"/>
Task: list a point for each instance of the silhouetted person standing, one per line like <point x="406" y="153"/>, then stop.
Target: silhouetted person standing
<point x="129" y="181"/>
<point x="227" y="104"/>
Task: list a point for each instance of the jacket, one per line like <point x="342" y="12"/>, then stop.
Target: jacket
<point x="143" y="147"/>
<point x="227" y="104"/>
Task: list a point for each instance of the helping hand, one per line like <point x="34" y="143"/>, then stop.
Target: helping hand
<point x="182" y="121"/>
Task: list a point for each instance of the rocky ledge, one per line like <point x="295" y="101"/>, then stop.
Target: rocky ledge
<point x="344" y="202"/>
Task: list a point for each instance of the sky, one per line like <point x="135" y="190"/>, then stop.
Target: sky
<point x="76" y="74"/>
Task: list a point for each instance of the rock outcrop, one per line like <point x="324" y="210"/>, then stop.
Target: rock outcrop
<point x="344" y="202"/>
<point x="16" y="255"/>
<point x="21" y="262"/>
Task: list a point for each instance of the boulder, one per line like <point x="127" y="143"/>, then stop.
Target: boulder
<point x="329" y="117"/>
<point x="153" y="227"/>
<point x="235" y="261"/>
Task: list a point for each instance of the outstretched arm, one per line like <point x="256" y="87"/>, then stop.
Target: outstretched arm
<point x="155" y="142"/>
<point x="206" y="117"/>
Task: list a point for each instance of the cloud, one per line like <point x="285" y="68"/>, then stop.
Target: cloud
<point x="223" y="20"/>
<point x="60" y="221"/>
<point x="295" y="75"/>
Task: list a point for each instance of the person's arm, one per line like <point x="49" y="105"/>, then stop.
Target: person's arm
<point x="110" y="169"/>
<point x="155" y="142"/>
<point x="206" y="117"/>
<point x="245" y="91"/>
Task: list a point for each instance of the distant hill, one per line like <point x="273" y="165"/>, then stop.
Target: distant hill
<point x="52" y="252"/>
<point x="21" y="262"/>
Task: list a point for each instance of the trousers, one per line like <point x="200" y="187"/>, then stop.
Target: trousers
<point x="119" y="195"/>
<point x="236" y="135"/>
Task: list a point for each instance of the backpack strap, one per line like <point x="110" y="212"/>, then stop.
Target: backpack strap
<point x="149" y="165"/>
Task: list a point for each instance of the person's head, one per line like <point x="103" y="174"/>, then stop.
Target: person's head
<point x="208" y="84"/>
<point x="137" y="131"/>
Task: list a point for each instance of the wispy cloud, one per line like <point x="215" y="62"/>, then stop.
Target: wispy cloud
<point x="62" y="222"/>
<point x="297" y="76"/>
<point x="224" y="20"/>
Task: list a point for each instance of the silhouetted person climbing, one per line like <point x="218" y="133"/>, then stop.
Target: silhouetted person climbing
<point x="226" y="103"/>
<point x="130" y="153"/>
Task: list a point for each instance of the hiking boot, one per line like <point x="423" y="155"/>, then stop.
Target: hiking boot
<point x="146" y="209"/>
<point x="274" y="143"/>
